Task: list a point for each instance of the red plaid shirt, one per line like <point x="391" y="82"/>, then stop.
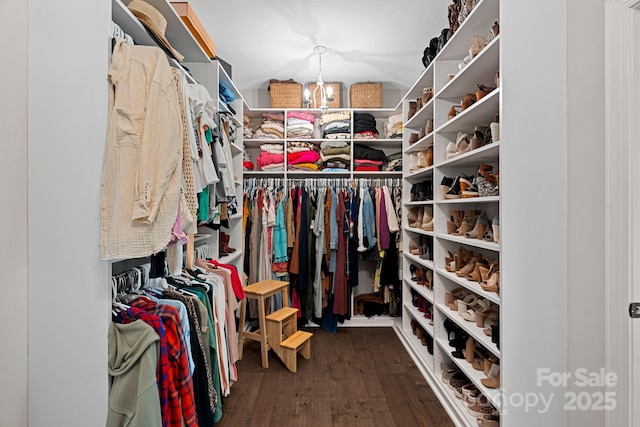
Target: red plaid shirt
<point x="180" y="383"/>
<point x="130" y="316"/>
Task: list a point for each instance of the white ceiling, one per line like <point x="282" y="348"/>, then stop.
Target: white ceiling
<point x="375" y="40"/>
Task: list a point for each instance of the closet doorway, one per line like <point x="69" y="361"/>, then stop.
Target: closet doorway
<point x="622" y="211"/>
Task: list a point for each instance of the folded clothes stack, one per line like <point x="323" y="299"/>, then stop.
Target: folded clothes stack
<point x="272" y="126"/>
<point x="367" y="159"/>
<point x="335" y="156"/>
<point x="336" y="125"/>
<point x="300" y="124"/>
<point x="394" y="163"/>
<point x="302" y="156"/>
<point x="364" y="126"/>
<point x="271" y="157"/>
<point x="247" y="128"/>
<point x="394" y="126"/>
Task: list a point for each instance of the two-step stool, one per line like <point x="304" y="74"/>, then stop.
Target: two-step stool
<point x="277" y="331"/>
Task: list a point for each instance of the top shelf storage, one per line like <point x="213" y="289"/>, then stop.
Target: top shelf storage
<point x="177" y="33"/>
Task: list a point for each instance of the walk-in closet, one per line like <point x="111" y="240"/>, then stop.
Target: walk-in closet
<point x="345" y="213"/>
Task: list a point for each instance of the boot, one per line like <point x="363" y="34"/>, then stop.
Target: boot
<point x="427" y="219"/>
<point x="224" y="243"/>
<point x="412" y="109"/>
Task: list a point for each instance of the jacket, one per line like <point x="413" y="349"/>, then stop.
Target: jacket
<point x="133" y="359"/>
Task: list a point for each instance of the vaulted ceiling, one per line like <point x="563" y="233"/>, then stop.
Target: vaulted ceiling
<point x="374" y="40"/>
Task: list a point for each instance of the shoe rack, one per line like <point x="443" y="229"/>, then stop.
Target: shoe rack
<point x="450" y="201"/>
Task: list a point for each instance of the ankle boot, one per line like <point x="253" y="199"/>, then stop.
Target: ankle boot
<point x="427" y="219"/>
<point x="419" y="104"/>
<point x="422" y="159"/>
<point x="427" y="94"/>
<point x="430" y="156"/>
<point x="413" y="138"/>
<point x="412" y="109"/>
<point x="413" y="162"/>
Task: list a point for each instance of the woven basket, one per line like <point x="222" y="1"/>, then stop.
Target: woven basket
<point x="336" y="87"/>
<point x="365" y="95"/>
<point x="285" y="95"/>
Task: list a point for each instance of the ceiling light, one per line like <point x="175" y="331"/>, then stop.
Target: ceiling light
<point x="326" y="93"/>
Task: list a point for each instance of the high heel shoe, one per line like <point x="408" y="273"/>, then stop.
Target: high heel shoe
<point x="495" y="225"/>
<point x="413" y="162"/>
<point x="493" y="377"/>
<point x="483" y="91"/>
<point x="414" y="248"/>
<point x="412" y="215"/>
<point x="451" y="150"/>
<point x="487" y="183"/>
<point x="477" y="139"/>
<point x="454" y="191"/>
<point x="417" y="223"/>
<point x="445" y="186"/>
<point x="481" y="226"/>
<point x="493" y="284"/>
<point x="463" y="143"/>
<point x="468" y="100"/>
<point x="477" y="44"/>
<point x="429" y="156"/>
<point x="413" y="138"/>
<point x="427" y="219"/>
<point x="422" y="160"/>
<point x="454" y="111"/>
<point x="425" y="244"/>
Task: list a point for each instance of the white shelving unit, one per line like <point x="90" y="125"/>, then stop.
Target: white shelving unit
<point x="451" y="79"/>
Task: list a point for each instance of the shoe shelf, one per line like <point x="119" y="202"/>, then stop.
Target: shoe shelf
<point x="425" y="80"/>
<point x="482" y="69"/>
<point x="486" y="154"/>
<point x="421" y="144"/>
<point x="470" y="328"/>
<point x="418" y="348"/>
<point x="420" y="173"/>
<point x="482" y="112"/>
<point x="380" y="143"/>
<point x="420" y="203"/>
<point x="417" y="260"/>
<point x="470" y="285"/>
<point x="231" y="257"/>
<point x="419" y="317"/>
<point x="452" y="75"/>
<point x="422" y="290"/>
<point x="478" y="22"/>
<point x="469" y="419"/>
<point x="419" y="119"/>
<point x="419" y="231"/>
<point x="235" y="148"/>
<point x="466" y="200"/>
<point x="468" y="241"/>
<point x="493" y="395"/>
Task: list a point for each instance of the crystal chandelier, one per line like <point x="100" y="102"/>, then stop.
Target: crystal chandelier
<point x="326" y="93"/>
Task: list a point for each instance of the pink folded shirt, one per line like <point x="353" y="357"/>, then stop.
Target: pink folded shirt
<point x="302" y="115"/>
<point x="303" y="157"/>
<point x="265" y="158"/>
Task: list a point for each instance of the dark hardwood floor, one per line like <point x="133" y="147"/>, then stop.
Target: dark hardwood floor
<point x="356" y="377"/>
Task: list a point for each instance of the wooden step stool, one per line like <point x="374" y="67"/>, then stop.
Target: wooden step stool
<point x="278" y="330"/>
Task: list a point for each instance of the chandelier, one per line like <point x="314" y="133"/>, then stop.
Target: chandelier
<point x="326" y="93"/>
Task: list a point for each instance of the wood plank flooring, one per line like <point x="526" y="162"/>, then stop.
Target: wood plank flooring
<point x="356" y="377"/>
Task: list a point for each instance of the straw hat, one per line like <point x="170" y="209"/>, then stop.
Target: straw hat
<point x="154" y="21"/>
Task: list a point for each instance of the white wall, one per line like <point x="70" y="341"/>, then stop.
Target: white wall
<point x="68" y="292"/>
<point x="533" y="219"/>
<point x="13" y="214"/>
<point x="586" y="314"/>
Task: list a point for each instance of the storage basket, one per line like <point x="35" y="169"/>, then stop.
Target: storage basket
<point x="365" y="95"/>
<point x="285" y="94"/>
<point x="336" y="87"/>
